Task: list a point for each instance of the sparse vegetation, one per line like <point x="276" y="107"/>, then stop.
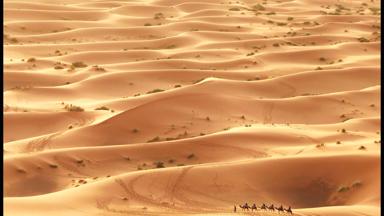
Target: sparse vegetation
<point x="338" y="142"/>
<point x="191" y="156"/>
<point x="322" y="59"/>
<point x="290" y="18"/>
<point x="147" y="24"/>
<point x="135" y="130"/>
<point x="177" y="86"/>
<point x="343" y="131"/>
<point x="276" y="45"/>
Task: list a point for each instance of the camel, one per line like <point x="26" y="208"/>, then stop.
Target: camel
<point x="245" y="206"/>
<point x="271" y="207"/>
<point x="254" y="207"/>
<point x="264" y="206"/>
<point x="280" y="209"/>
<point x="289" y="210"/>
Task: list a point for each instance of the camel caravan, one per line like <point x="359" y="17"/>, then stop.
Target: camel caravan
<point x="264" y="207"/>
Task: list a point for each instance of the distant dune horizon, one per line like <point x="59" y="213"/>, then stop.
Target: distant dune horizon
<point x="177" y="107"/>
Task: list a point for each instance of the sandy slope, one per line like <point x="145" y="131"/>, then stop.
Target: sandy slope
<point x="204" y="104"/>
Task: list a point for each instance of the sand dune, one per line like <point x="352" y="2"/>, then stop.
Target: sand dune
<point x="175" y="107"/>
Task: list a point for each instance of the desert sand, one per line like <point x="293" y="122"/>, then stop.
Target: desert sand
<point x="177" y="107"/>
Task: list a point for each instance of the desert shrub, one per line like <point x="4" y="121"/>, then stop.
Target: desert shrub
<point x="207" y="118"/>
<point x="58" y="67"/>
<point x="270" y="13"/>
<point x="177" y="86"/>
<point x="322" y="59"/>
<point x="159" y="164"/>
<point x="135" y="130"/>
<point x="356" y="184"/>
<point x="343" y="131"/>
<point x="155" y="91"/>
<point x="234" y="9"/>
<point x="172" y="46"/>
<point x="321" y="145"/>
<point x="147" y="24"/>
<point x="338" y="142"/>
<point x="362" y="148"/>
<point x="199" y="80"/>
<point x="159" y="16"/>
<point x="258" y="7"/>
<point x="19" y="170"/>
<point x="53" y="166"/>
<point x="79" y="64"/>
<point x="290" y="18"/>
<point x="155" y="139"/>
<point x="97" y="68"/>
<point x="343" y="189"/>
<point x="31" y="60"/>
<point x="171" y="161"/>
<point x="362" y="39"/>
<point x="73" y="108"/>
<point x="276" y="45"/>
<point x="102" y="108"/>
<point x="190" y="156"/>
